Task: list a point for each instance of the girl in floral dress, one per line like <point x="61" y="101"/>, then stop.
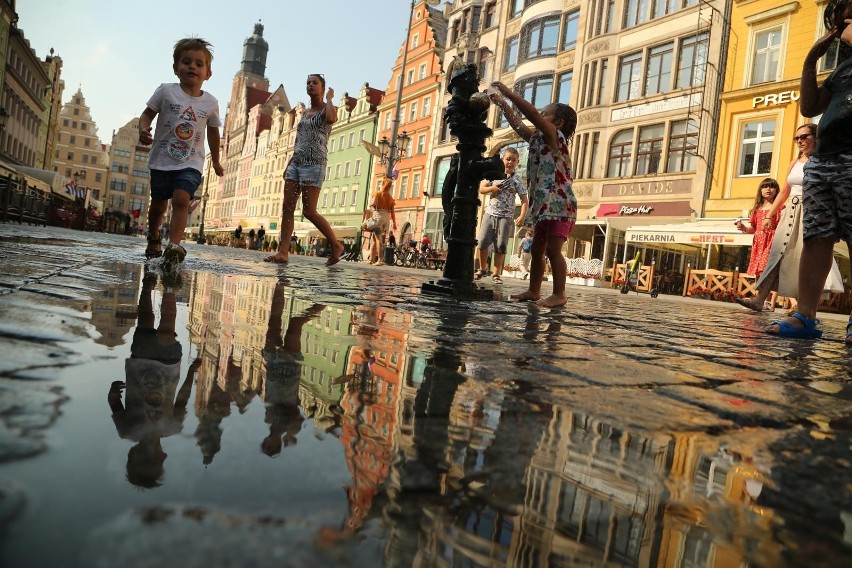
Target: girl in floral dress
<point x="553" y="206"/>
<point x="763" y="232"/>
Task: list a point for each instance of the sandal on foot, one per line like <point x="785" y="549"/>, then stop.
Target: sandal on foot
<point x="478" y="275"/>
<point x="808" y="331"/>
<point x="276" y="259"/>
<point x="154" y="248"/>
<point x="496" y="279"/>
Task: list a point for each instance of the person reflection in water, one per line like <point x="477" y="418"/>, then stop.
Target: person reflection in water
<point x="282" y="359"/>
<point x="153" y="407"/>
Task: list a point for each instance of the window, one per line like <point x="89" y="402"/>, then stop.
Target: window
<point x="72" y="139"/>
<point x="427" y="101"/>
<point x="325" y="200"/>
<point x="767" y="52"/>
<point x="511" y="58"/>
<point x="403" y="188"/>
<point x="756" y="143"/>
<point x="334" y="200"/>
<point x="357" y="167"/>
<point x="456" y="31"/>
<point x="70" y="155"/>
<point x="490" y="15"/>
<point x="683" y="144"/>
<point x="565" y="80"/>
<point x="692" y="61"/>
<point x="569" y="30"/>
<point x="362" y="134"/>
<point x="387" y="120"/>
<point x="331" y="146"/>
<point x="415" y="186"/>
<point x="340" y="142"/>
<point x="537" y="90"/>
<point x="415" y="41"/>
<point x="517" y="8"/>
<point x="351" y="139"/>
<point x="658" y="77"/>
<point x="620" y="152"/>
<point x="421" y="72"/>
<point x="402" y="114"/>
<point x="354" y="195"/>
<point x="412" y="112"/>
<point x="97" y="177"/>
<point x="343" y="198"/>
<point x="601" y="17"/>
<point x="337" y="171"/>
<point x="664" y="7"/>
<point x="421" y="144"/>
<point x="541" y="38"/>
<point x="650" y="149"/>
<point x="346" y="169"/>
<point x="410" y="77"/>
<point x="636" y="13"/>
<point x="629" y="76"/>
<point x="64" y="122"/>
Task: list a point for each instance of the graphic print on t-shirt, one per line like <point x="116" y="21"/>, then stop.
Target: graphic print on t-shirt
<point x="178" y="149"/>
<point x="184" y="130"/>
<point x="188" y="114"/>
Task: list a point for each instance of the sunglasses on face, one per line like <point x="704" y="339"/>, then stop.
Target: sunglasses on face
<point x="801" y="137"/>
<point x="767" y="187"/>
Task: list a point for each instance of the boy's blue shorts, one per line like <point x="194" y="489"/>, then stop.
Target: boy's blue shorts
<point x="164" y="183"/>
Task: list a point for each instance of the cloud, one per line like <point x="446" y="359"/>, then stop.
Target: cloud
<point x="99" y="54"/>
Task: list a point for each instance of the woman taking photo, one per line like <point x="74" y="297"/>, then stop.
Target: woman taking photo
<point x="382" y="206"/>
<point x="305" y="171"/>
<point x="782" y="269"/>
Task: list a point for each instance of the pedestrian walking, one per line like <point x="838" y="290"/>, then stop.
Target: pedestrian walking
<point x="498" y="220"/>
<point x="553" y="206"/>
<point x="383" y="211"/>
<point x="261" y="235"/>
<point x="176" y="160"/>
<point x="251" y="237"/>
<point x="827" y="183"/>
<point x="305" y="172"/>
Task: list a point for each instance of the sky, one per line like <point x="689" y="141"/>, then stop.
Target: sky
<point x="118" y="52"/>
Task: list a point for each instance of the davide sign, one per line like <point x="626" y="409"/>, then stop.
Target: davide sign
<point x="647" y="188"/>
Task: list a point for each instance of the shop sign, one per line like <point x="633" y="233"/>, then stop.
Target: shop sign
<point x="666" y="187"/>
<point x="273" y="226"/>
<point x="627" y="210"/>
<point x="772" y="99"/>
<point x="655" y="209"/>
<point x="665" y="105"/>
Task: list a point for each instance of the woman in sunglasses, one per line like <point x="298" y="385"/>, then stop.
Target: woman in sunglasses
<point x="305" y="171"/>
<point x="782" y="269"/>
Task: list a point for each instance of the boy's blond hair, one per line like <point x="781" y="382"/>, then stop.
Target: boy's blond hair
<point x="194" y="44"/>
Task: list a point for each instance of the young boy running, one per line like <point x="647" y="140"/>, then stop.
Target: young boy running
<point x="177" y="156"/>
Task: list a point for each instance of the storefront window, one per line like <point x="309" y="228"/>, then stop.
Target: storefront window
<point x="620" y="152"/>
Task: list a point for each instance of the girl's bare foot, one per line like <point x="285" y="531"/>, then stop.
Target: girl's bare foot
<point x="553" y="301"/>
<point x="277" y="259"/>
<point x="527" y="296"/>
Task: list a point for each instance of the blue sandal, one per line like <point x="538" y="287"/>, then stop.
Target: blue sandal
<point x="808" y="331"/>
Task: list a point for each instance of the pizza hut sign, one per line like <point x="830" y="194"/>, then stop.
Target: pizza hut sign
<point x="637" y="210"/>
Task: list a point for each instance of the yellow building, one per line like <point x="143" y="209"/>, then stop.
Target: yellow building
<point x="759" y="112"/>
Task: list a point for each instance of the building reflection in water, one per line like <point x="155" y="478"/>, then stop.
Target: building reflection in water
<point x="454" y="467"/>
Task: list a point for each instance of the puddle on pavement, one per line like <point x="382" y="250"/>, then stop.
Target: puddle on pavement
<point x="258" y="421"/>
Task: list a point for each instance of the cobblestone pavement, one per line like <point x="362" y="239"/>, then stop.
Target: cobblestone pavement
<point x="620" y="429"/>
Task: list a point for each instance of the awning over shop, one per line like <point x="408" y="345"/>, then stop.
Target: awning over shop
<point x="697" y="233"/>
<point x="339" y="232"/>
<point x="55" y="182"/>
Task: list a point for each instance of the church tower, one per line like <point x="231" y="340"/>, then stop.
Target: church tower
<point x="255" y="49"/>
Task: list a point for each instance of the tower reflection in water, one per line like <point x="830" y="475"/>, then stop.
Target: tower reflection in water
<point x="450" y="464"/>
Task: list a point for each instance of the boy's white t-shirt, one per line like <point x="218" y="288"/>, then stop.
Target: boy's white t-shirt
<point x="182" y="123"/>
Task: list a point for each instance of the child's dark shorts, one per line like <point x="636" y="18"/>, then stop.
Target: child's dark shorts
<point x="827" y="190"/>
<point x="146" y="345"/>
<point x="164" y="183"/>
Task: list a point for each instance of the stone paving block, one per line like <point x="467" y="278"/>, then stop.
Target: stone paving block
<point x="644" y="409"/>
<point x="796" y="401"/>
<point x="741" y="410"/>
<point x="30" y="354"/>
<point x="616" y="372"/>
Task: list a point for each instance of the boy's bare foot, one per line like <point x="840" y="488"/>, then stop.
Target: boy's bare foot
<point x="527" y="296"/>
<point x="553" y="301"/>
<point x="277" y="259"/>
<point x="335" y="255"/>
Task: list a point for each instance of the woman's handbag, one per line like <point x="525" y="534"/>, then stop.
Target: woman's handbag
<point x="370" y="224"/>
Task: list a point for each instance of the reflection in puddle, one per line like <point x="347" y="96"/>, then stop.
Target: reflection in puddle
<point x="278" y="408"/>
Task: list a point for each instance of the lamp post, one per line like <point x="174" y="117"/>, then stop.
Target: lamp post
<point x="394" y="153"/>
<point x="393" y="150"/>
<point x="201" y="239"/>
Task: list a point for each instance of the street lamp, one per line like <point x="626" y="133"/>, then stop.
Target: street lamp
<point x="4" y="118"/>
<point x="393" y="152"/>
